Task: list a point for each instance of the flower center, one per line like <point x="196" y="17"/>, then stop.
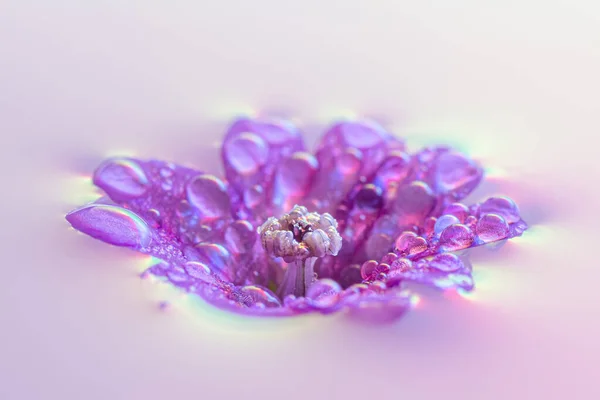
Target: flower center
<point x="300" y="237"/>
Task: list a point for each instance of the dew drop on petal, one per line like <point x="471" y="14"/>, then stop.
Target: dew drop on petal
<point x="121" y="179"/>
<point x="409" y="243"/>
<point x="260" y="296"/>
<point x="240" y="236"/>
<point x="459" y="210"/>
<point x="369" y="197"/>
<point x="112" y="224"/>
<point x="491" y="227"/>
<point x="446" y="262"/>
<point x="443" y="222"/>
<point x="324" y="292"/>
<point x="199" y="271"/>
<point x="215" y="256"/>
<point x="246" y="153"/>
<point x="367" y="268"/>
<point x="209" y="195"/>
<point x="502" y="206"/>
<point x="456" y="237"/>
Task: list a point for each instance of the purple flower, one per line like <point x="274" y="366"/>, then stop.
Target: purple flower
<point x="289" y="232"/>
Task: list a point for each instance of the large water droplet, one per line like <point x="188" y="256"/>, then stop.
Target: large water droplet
<point x="121" y="179"/>
<point x="112" y="224"/>
<point x="260" y="296"/>
<point x="199" y="271"/>
<point x="459" y="210"/>
<point x="240" y="236"/>
<point x="491" y="227"/>
<point x="246" y="153"/>
<point x="324" y="292"/>
<point x="446" y="262"/>
<point x="502" y="206"/>
<point x="368" y="268"/>
<point x="456" y="237"/>
<point x="209" y="195"/>
<point x="409" y="244"/>
<point x="215" y="256"/>
<point x="443" y="222"/>
<point x="369" y="197"/>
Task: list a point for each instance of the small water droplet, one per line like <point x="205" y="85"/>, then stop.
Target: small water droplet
<point x="491" y="227"/>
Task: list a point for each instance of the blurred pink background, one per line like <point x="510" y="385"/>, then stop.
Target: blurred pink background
<point x="515" y="85"/>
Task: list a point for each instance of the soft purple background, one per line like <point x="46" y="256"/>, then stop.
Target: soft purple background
<point x="515" y="85"/>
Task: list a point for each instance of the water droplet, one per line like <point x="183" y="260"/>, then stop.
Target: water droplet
<point x="409" y="244"/>
<point x="112" y="224"/>
<point x="446" y="262"/>
<point x="443" y="222"/>
<point x="240" y="236"/>
<point x="456" y="237"/>
<point x="246" y="153"/>
<point x="121" y="179"/>
<point x="260" y="296"/>
<point x="502" y="206"/>
<point x="324" y="292"/>
<point x="369" y="197"/>
<point x="209" y="195"/>
<point x="199" y="271"/>
<point x="459" y="210"/>
<point x="214" y="255"/>
<point x="368" y="268"/>
<point x="389" y="258"/>
<point x="491" y="227"/>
